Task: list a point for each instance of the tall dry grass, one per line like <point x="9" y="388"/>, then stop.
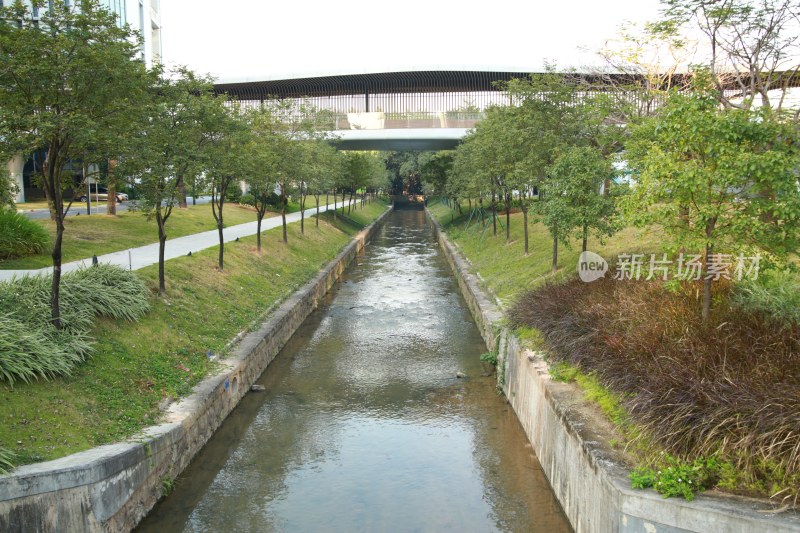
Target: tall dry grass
<point x="728" y="388"/>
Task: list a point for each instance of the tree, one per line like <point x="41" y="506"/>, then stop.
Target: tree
<point x="573" y="192"/>
<point x="379" y="179"/>
<point x="434" y="172"/>
<point x="752" y="47"/>
<point x="404" y="170"/>
<point x="323" y="169"/>
<point x="229" y="134"/>
<point x="719" y="180"/>
<point x="298" y="122"/>
<point x="266" y="151"/>
<point x="170" y="146"/>
<point x="554" y="114"/>
<point x="315" y="156"/>
<point x="359" y="169"/>
<point x="68" y="83"/>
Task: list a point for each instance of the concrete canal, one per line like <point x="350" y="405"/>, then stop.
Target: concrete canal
<point x="365" y="426"/>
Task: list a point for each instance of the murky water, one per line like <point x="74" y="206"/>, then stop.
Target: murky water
<point x="364" y="425"/>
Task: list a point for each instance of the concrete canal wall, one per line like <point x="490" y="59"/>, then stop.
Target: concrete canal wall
<point x="111" y="488"/>
<point x="584" y="472"/>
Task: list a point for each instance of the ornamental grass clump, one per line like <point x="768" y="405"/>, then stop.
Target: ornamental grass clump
<point x="20" y="236"/>
<point x="728" y="387"/>
<point x="6" y="460"/>
<point x="775" y="296"/>
<point x="32" y="348"/>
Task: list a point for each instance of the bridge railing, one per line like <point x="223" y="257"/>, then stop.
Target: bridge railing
<point x="378" y="120"/>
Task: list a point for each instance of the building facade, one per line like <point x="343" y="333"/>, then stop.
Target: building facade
<point x="143" y="16"/>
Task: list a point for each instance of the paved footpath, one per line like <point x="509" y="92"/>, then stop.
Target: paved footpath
<point x="136" y="258"/>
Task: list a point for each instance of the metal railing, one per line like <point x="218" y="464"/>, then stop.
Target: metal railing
<point x="378" y="120"/>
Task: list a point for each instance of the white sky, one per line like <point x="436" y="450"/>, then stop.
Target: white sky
<point x="252" y="39"/>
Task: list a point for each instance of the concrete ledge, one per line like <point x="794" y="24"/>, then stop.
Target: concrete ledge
<point x="585" y="474"/>
<point x="111" y="488"/>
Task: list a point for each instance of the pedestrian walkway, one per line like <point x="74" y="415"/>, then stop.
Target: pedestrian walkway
<point x="143" y="256"/>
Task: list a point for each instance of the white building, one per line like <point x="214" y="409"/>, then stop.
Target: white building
<point x="143" y="16"/>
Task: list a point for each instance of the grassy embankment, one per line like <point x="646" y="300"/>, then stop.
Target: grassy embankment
<point x="137" y="365"/>
<point x="504" y="267"/>
<point x="708" y="404"/>
<point x="86" y="236"/>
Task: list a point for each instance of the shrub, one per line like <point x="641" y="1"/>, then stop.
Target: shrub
<point x="233" y="194"/>
<point x="673" y="477"/>
<point x="489" y="358"/>
<point x="247" y="199"/>
<point x="20" y="236"/>
<point x="31" y="348"/>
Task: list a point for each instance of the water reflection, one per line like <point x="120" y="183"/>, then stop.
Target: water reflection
<point x="365" y="426"/>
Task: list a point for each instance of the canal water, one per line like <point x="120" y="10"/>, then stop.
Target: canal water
<point x="365" y="424"/>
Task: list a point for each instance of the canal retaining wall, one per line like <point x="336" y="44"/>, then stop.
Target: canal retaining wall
<point x="111" y="488"/>
<point x="586" y="474"/>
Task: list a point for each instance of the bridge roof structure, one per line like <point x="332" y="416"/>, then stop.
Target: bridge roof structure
<point x="374" y="83"/>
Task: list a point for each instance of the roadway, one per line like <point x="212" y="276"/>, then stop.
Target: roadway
<point x="98" y="208"/>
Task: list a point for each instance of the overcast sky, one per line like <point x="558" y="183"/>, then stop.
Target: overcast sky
<point x="251" y="39"/>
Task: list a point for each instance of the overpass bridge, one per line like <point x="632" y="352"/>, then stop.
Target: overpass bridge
<point x="409" y="110"/>
<point x="417" y="110"/>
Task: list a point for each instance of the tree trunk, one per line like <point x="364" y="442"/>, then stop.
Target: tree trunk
<point x="707" y="287"/>
<point x="112" y="189"/>
<point x="710" y="226"/>
<point x="317" y="217"/>
<point x="327" y="202"/>
<point x="55" y="309"/>
<point x="181" y="186"/>
<point x="343" y="201"/>
<point x="302" y="214"/>
<point x="217" y="203"/>
<point x="494" y="214"/>
<point x="585" y="237"/>
<point x="683" y="217"/>
<point x="162" y="244"/>
<point x="350" y="203"/>
<point x="508" y="218"/>
<point x="555" y="255"/>
<point x="258" y="231"/>
<point x="161" y="222"/>
<point x="221" y="245"/>
<point x="284" y="201"/>
<point x="525" y="225"/>
<point x="51" y="180"/>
